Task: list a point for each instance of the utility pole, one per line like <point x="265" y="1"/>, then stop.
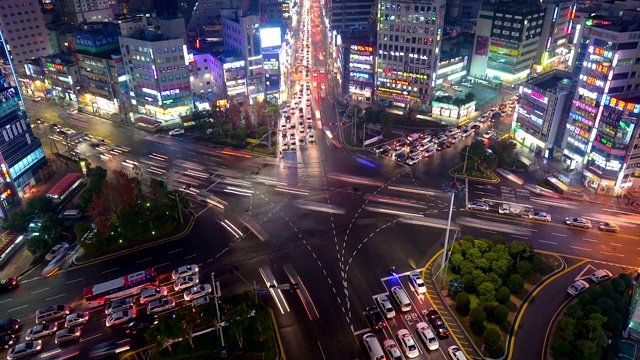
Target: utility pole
<point x="179" y="208"/>
<point x="216" y="294"/>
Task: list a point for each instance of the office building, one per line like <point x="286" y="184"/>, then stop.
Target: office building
<point x="541" y="110"/>
<point x="351" y="17"/>
<point x="24" y="31"/>
<point x="359" y="70"/>
<point x="507" y="38"/>
<point x="409" y="37"/>
<point x="207" y="79"/>
<point x="61" y="77"/>
<point x="205" y="12"/>
<point x="555" y="49"/>
<point x="601" y="128"/>
<point x="80" y="11"/>
<point x="452" y="67"/>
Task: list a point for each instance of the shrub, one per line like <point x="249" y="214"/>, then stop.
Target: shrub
<point x="614" y="322"/>
<point x="487" y="292"/>
<point x="618" y="285"/>
<point x="524" y="269"/>
<point x="515" y="284"/>
<point x="606" y="288"/>
<point x="626" y="278"/>
<point x="590" y="310"/>
<point x="562" y="349"/>
<point x="477" y="318"/>
<point x="536" y="263"/>
<point x="574" y="311"/>
<point x="500" y="314"/>
<point x="491" y="337"/>
<point x="594" y="293"/>
<point x="463" y="303"/>
<point x="498" y="240"/>
<point x="503" y="295"/>
<point x="469" y="284"/>
<point x="618" y="302"/>
<point x="605" y="305"/>
<point x="584" y="300"/>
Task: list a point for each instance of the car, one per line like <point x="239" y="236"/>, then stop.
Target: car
<point x="160" y="305"/>
<point x="443" y="146"/>
<point x="451" y="132"/>
<point x="9" y="326"/>
<point x="601" y="275"/>
<point x="8" y="284"/>
<point x="184" y="271"/>
<point x="417" y="282"/>
<point x="41" y="330"/>
<point x="475" y="127"/>
<point x="455" y="353"/>
<point x="539" y="215"/>
<point x="412" y="160"/>
<point x="455" y="138"/>
<point x="72" y="111"/>
<point x="427" y="139"/>
<point x="140" y="325"/>
<point x="185" y="282"/>
<point x="150" y="294"/>
<point x="398" y="150"/>
<point x="488" y="134"/>
<point x="427" y="336"/>
<point x="381" y="148"/>
<point x="68" y="334"/>
<point x="401" y="157"/>
<point x="7" y="341"/>
<point x="391" y="348"/>
<point x="76" y="319"/>
<point x="414" y="151"/>
<point x="53" y="312"/>
<point x="466" y="133"/>
<point x="384" y="303"/>
<point x="608" y="227"/>
<point x="118" y="305"/>
<point x="25" y="349"/>
<point x="39" y="121"/>
<point x="429" y="151"/>
<point x="374" y="318"/>
<point x="201" y="301"/>
<point x="578" y="222"/>
<point x="437" y="323"/>
<point x="578" y="287"/>
<point x="58" y="249"/>
<point x="197" y="291"/>
<point x="407" y="343"/>
<point x="478" y="205"/>
<point x="440" y="138"/>
<point x="120" y="317"/>
<point x="176" y="132"/>
<point x="400" y="143"/>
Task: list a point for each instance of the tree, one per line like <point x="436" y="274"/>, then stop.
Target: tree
<point x="101" y="215"/>
<point x="386" y="124"/>
<point x="501" y="266"/>
<point x="536" y="263"/>
<point x="234" y="114"/>
<point x="498" y="240"/>
<point x="562" y="349"/>
<point x="503" y="295"/>
<point x="574" y="311"/>
<point x="39" y="205"/>
<point x="202" y="119"/>
<point x="614" y="322"/>
<point x="18" y="221"/>
<point x="463" y="303"/>
<point x="592" y="310"/>
<point x="524" y="269"/>
<point x="606" y="288"/>
<point x="467" y="267"/>
<point x="477" y="318"/>
<point x="124" y="193"/>
<point x="518" y="249"/>
<point x="628" y="281"/>
<point x="456" y="260"/>
<point x="82" y="229"/>
<point x="189" y="321"/>
<point x="586" y="350"/>
<point x="505" y="149"/>
<point x="469" y="284"/>
<point x="618" y="302"/>
<point x="165" y="330"/>
<point x="567" y="329"/>
<point x="487" y="292"/>
<point x="594" y="324"/>
<point x="605" y="305"/>
<point x="477" y="152"/>
<point x="515" y="284"/>
<point x="500" y="314"/>
<point x="618" y="285"/>
<point x="491" y="337"/>
<point x="584" y="300"/>
<point x="38" y="246"/>
<point x="595" y="293"/>
<point x="51" y="228"/>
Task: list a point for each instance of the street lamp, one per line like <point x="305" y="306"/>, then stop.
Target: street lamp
<point x="453" y="188"/>
<point x="216" y="294"/>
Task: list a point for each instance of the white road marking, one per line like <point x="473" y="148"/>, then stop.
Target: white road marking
<point x="612" y="254"/>
<point x="4" y="301"/>
<point x="37" y="291"/>
<point x="614" y="244"/>
<point x="18" y="308"/>
<point x="585" y="239"/>
<point x="556" y="234"/>
<point x="54" y="297"/>
<point x="190" y="256"/>
<point x="489" y="231"/>
<point x="139" y="261"/>
<point x="548" y="242"/>
<point x="72" y="281"/>
<point x="520" y="237"/>
<point x="106" y="271"/>
<point x="580" y="248"/>
<point x="167" y="263"/>
<point x="90" y="337"/>
<point x="172" y="251"/>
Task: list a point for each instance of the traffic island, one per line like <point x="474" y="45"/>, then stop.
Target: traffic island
<point x="482" y="174"/>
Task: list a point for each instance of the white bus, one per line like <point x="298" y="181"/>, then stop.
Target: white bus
<point x="122" y="287"/>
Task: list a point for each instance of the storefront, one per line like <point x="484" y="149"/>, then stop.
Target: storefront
<point x="452" y="110"/>
<point x="528" y="141"/>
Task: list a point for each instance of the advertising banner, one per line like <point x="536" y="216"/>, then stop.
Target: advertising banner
<point x="482" y="46"/>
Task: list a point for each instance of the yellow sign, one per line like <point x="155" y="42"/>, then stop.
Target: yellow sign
<point x="252" y="141"/>
<point x="502" y="50"/>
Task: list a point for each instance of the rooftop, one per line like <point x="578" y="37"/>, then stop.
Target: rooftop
<point x="553" y="80"/>
<point x="614" y="23"/>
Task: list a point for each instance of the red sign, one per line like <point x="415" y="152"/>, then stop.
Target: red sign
<point x="362" y="48"/>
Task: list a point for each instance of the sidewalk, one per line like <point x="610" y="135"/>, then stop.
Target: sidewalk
<point x="19" y="263"/>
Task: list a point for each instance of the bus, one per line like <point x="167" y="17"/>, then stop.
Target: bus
<point x="122" y="287"/>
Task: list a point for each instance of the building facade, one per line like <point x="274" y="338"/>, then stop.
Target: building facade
<point x="452" y="68"/>
<point x="351" y="16"/>
<point x="541" y="110"/>
<point x="556" y="46"/>
<point x="207" y="78"/>
<point x="360" y="71"/>
<point x="80" y="11"/>
<point x="61" y="77"/>
<point x="409" y="38"/>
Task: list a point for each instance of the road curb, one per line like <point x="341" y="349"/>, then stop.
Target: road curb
<point x="76" y="263"/>
<point x="281" y="354"/>
<point x="471" y="178"/>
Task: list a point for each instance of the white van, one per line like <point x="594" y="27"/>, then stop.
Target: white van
<point x="370" y="342"/>
<point x="70" y="214"/>
<point x="401" y="298"/>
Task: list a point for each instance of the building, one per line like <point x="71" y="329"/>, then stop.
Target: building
<point x="241" y="35"/>
<point x="156" y="65"/>
<point x="207" y="79"/>
<point x="24" y="31"/>
<point x="79" y="11"/>
<point x="601" y="129"/>
<point x="61" y="77"/>
<point x="235" y="78"/>
<point x="359" y="71"/>
<point x="272" y="60"/>
<point x="541" y="110"/>
<point x="452" y="67"/>
<point x="351" y="17"/>
<point x="556" y="46"/>
<point x="408" y="52"/>
<point x="507" y="39"/>
<point x="205" y="12"/>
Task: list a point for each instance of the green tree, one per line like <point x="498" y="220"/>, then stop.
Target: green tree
<point x="498" y="240"/>
<point x="483" y="245"/>
<point x="584" y="300"/>
<point x="592" y="310"/>
<point x="594" y="293"/>
<point x="18" y="221"/>
<point x="628" y="281"/>
<point x="491" y="337"/>
<point x="515" y="284"/>
<point x="487" y="292"/>
<point x="618" y="285"/>
<point x="189" y="322"/>
<point x="476" y="151"/>
<point x="500" y="314"/>
<point x="82" y="229"/>
<point x="574" y="311"/>
<point x="501" y="266"/>
<point x="614" y="322"/>
<point x="562" y="349"/>
<point x="467" y="267"/>
<point x="463" y="303"/>
<point x="51" y="228"/>
<point x="618" y="302"/>
<point x="605" y="305"/>
<point x="524" y="269"/>
<point x="38" y="246"/>
<point x="165" y="330"/>
<point x="39" y="205"/>
<point x="586" y="350"/>
<point x="519" y="249"/>
<point x="483" y="264"/>
<point x="606" y="288"/>
<point x="473" y="255"/>
<point x="469" y="284"/>
<point x="456" y="260"/>
<point x="503" y="295"/>
<point x="536" y="263"/>
<point x="477" y="318"/>
<point x="567" y="329"/>
<point x="386" y="124"/>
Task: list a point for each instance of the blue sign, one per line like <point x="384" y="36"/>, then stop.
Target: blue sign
<point x="107" y="39"/>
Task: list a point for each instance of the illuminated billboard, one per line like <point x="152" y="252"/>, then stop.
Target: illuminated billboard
<point x="270" y="37"/>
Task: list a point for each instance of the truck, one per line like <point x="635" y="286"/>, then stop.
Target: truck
<point x="515" y="210"/>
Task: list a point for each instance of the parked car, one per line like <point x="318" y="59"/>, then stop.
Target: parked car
<point x="578" y="287"/>
<point x="601" y="275"/>
<point x="197" y="291"/>
<point x="176" y="132"/>
<point x="58" y="249"/>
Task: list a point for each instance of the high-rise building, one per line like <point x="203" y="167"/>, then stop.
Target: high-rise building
<point x="409" y="38"/>
<point x="21" y="153"/>
<point x="205" y="12"/>
<point x="555" y="49"/>
<point x="24" y="31"/>
<point x="79" y="11"/>
<point x="507" y="38"/>
<point x="351" y="17"/>
<point x="601" y="135"/>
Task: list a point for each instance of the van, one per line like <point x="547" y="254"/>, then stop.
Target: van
<point x="370" y="342"/>
<point x="53" y="312"/>
<point x="70" y="214"/>
<point x="401" y="298"/>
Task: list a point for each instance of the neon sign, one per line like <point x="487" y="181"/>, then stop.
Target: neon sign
<point x="600" y="52"/>
<point x="606" y="142"/>
<point x="580" y="118"/>
<point x="57" y="66"/>
<point x="585" y="106"/>
<point x="359" y="75"/>
<point x="587" y="93"/>
<point x="578" y="131"/>
<point x="536" y="95"/>
<point x="592" y="81"/>
<point x="621" y="104"/>
<point x="170" y="92"/>
<point x="362" y="48"/>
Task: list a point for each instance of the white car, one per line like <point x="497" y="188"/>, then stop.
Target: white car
<point x="455" y="138"/>
<point x="197" y="291"/>
<point x="118" y="305"/>
<point x="578" y="222"/>
<point x="427" y="336"/>
<point x="160" y="305"/>
<point x="478" y="205"/>
<point x="539" y="215"/>
<point x="150" y="294"/>
<point x="391" y="348"/>
<point x="68" y="334"/>
<point x="456" y="353"/>
<point x="397" y="151"/>
<point x="381" y="148"/>
<point x="417" y="282"/>
<point x="466" y="132"/>
<point x="413" y="160"/>
<point x="578" y="287"/>
<point x="429" y="151"/>
<point x="39" y="331"/>
<point x="25" y="349"/>
<point x="76" y="319"/>
<point x="72" y="111"/>
<point x="60" y="248"/>
<point x="385" y="306"/>
<point x="121" y="317"/>
<point x="176" y="132"/>
<point x="451" y="132"/>
<point x="600" y="276"/>
<point x="407" y="343"/>
<point x="185" y="282"/>
<point x="184" y="271"/>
